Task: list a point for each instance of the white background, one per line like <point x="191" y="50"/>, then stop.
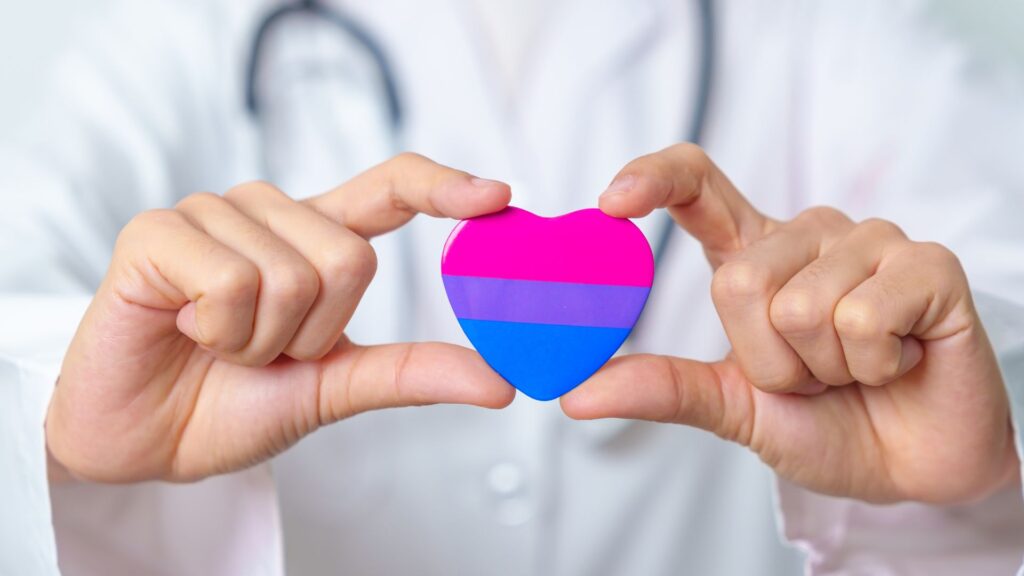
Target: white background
<point x="32" y="32"/>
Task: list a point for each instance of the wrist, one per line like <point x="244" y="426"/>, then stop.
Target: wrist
<point x="56" y="472"/>
<point x="1013" y="473"/>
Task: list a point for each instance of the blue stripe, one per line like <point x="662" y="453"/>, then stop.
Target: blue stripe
<point x="544" y="361"/>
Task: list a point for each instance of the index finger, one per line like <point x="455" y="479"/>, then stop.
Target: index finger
<point x="697" y="194"/>
<point x="390" y="194"/>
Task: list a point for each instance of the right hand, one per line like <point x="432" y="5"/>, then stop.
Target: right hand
<point x="216" y="338"/>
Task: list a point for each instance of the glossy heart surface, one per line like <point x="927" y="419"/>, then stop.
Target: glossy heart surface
<point x="547" y="301"/>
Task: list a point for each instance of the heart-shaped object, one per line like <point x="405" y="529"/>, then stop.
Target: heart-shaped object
<point x="547" y="301"/>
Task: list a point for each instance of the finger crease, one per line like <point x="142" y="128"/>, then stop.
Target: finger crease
<point x="396" y="199"/>
<point x="351" y="379"/>
<point x="400" y="367"/>
<point x="323" y="413"/>
<point x="677" y="379"/>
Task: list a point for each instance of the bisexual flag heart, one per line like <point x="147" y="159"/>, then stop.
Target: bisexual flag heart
<point x="547" y="301"/>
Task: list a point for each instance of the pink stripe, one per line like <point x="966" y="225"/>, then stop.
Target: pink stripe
<point x="586" y="247"/>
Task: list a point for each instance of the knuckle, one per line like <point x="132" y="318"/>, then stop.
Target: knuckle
<point x="197" y="201"/>
<point x="407" y="158"/>
<point x="294" y="283"/>
<point x="857" y="319"/>
<point x="235" y="281"/>
<point x="823" y="217"/>
<point x="936" y="253"/>
<point x="252" y="188"/>
<point x="152" y="219"/>
<point x="349" y="263"/>
<point x="144" y="223"/>
<point x="879" y="228"/>
<point x="740" y="280"/>
<point x="797" y="312"/>
<point x="691" y="151"/>
<point x="693" y="156"/>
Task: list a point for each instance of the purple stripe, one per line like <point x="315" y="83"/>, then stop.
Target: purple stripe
<point x="538" y="302"/>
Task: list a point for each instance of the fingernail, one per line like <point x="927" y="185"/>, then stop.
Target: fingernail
<point x="619" y="186"/>
<point x="911" y="354"/>
<point x="483" y="182"/>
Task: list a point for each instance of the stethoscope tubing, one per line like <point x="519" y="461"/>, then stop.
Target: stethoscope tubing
<point x="346" y="25"/>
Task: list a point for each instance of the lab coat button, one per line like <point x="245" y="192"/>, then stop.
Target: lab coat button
<point x="507" y="483"/>
<point x="505" y="478"/>
<point x="514" y="511"/>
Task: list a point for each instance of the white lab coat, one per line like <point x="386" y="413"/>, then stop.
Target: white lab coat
<point x="860" y="105"/>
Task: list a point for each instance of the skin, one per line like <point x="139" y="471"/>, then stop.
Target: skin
<point x="216" y="338"/>
<point x="859" y="366"/>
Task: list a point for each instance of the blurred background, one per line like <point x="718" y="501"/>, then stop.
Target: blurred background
<point x="32" y="33"/>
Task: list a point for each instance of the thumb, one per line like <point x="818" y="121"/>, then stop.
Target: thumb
<point x="356" y="379"/>
<point x="714" y="397"/>
<point x="697" y="195"/>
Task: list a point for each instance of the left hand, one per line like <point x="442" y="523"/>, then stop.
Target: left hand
<point x="859" y="366"/>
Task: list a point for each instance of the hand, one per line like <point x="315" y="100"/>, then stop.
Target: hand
<point x="216" y="339"/>
<point x="859" y="366"/>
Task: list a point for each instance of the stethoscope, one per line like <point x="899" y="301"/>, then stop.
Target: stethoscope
<point x="348" y="27"/>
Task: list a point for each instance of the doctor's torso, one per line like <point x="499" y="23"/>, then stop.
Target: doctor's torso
<point x="445" y="490"/>
<point x="525" y="490"/>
